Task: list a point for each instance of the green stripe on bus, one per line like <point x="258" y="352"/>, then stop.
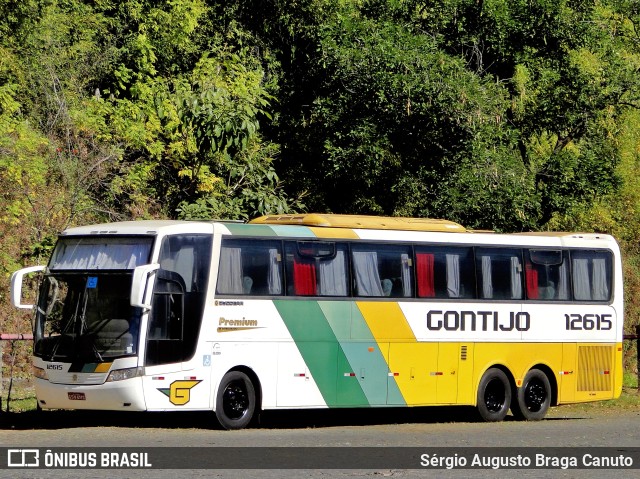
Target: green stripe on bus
<point x="250" y="230"/>
<point x="293" y="231"/>
<point x="322" y="352"/>
<point x="338" y="314"/>
<point x="270" y="230"/>
<point x="366" y="361"/>
<point x="360" y="329"/>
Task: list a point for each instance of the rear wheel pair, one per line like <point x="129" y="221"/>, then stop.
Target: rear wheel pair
<point x="530" y="402"/>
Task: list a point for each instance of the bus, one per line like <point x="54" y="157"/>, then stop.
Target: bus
<point x="324" y="311"/>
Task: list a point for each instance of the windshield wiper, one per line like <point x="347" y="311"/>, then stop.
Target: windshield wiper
<point x="63" y="333"/>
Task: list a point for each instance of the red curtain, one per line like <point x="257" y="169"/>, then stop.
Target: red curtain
<point x="532" y="281"/>
<point x="424" y="270"/>
<point x="304" y="278"/>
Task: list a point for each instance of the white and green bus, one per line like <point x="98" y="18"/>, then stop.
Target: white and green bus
<point x="325" y="311"/>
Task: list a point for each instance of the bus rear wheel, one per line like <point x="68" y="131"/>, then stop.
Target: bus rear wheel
<point x="533" y="399"/>
<point x="494" y="395"/>
<point x="235" y="401"/>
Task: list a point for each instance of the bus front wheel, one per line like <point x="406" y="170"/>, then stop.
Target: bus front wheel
<point x="533" y="399"/>
<point x="236" y="400"/>
<point x="494" y="395"/>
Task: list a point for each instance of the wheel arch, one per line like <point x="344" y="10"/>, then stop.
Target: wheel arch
<point x="251" y="374"/>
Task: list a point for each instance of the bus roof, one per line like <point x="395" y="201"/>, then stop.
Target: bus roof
<point x="139" y="227"/>
<point x="361" y="222"/>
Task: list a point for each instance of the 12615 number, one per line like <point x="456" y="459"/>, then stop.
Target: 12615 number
<point x="588" y="322"/>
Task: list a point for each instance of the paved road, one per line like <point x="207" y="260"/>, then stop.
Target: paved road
<point x="422" y="428"/>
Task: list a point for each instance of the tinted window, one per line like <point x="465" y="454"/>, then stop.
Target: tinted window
<point x="445" y="272"/>
<point x="250" y="267"/>
<point x="547" y="275"/>
<point x="591" y="275"/>
<point x="382" y="270"/>
<point x="316" y="268"/>
<point x="499" y="273"/>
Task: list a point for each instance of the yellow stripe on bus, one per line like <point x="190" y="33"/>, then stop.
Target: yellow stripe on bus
<point x="386" y="321"/>
<point x="338" y="233"/>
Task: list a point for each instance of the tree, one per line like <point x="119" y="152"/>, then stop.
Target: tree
<point x="196" y="137"/>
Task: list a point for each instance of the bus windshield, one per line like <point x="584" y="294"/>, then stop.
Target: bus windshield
<point x="84" y="311"/>
<point x="100" y="252"/>
<point x="86" y="317"/>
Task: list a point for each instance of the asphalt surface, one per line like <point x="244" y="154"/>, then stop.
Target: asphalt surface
<point x="434" y="431"/>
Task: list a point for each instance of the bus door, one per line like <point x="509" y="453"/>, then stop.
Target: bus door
<point x="175" y="376"/>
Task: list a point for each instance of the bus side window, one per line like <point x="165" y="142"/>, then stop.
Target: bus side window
<point x="250" y="268"/>
<point x="445" y="272"/>
<point x="382" y="270"/>
<point x="546" y="275"/>
<point x="499" y="273"/>
<point x="316" y="268"/>
<point x="591" y="273"/>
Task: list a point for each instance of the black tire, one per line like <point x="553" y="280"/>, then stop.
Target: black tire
<point x="533" y="399"/>
<point x="235" y="401"/>
<point x="494" y="395"/>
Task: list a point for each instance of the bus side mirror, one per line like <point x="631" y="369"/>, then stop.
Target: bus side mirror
<point x="139" y="285"/>
<point x="16" y="286"/>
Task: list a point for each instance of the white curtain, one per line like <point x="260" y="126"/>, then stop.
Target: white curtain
<point x="600" y="289"/>
<point x="230" y="272"/>
<point x="581" y="286"/>
<point x="274" y="281"/>
<point x="453" y="275"/>
<point x="114" y="255"/>
<point x="563" y="282"/>
<point x="487" y="282"/>
<point x="333" y="278"/>
<point x="516" y="278"/>
<point x="183" y="265"/>
<point x="365" y="265"/>
<point x="406" y="276"/>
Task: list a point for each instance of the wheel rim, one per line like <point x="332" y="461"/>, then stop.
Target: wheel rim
<point x="494" y="396"/>
<point x="535" y="395"/>
<point x="235" y="400"/>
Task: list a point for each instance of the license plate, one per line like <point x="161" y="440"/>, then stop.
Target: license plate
<point x="76" y="396"/>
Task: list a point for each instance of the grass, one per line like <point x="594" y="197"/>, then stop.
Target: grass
<point x="629" y="379"/>
<point x="20" y="405"/>
<point x="629" y="400"/>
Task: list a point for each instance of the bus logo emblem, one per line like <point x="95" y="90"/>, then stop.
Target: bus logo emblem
<point x="179" y="392"/>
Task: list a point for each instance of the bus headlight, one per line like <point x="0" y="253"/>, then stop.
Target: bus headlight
<point x="122" y="374"/>
<point x="39" y="373"/>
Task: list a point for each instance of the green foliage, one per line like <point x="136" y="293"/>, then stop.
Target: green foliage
<point x="425" y="135"/>
<point x="198" y="129"/>
<point x="248" y="187"/>
<point x="508" y="115"/>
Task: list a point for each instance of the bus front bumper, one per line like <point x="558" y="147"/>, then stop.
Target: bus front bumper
<point x="123" y="395"/>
